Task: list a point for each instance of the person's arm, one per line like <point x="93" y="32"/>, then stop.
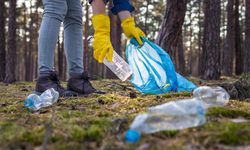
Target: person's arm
<point x="124" y="14"/>
<point x="102" y="45"/>
<point x="129" y="27"/>
<point x="98" y="7"/>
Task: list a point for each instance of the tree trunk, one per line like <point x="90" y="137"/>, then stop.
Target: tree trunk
<point x="25" y="54"/>
<point x="200" y="40"/>
<point x="211" y="40"/>
<point x="30" y="45"/>
<point x="11" y="52"/>
<point x="180" y="65"/>
<point x="191" y="51"/>
<point x="64" y="62"/>
<point x="37" y="22"/>
<point x="247" y="39"/>
<point x="2" y="40"/>
<point x="171" y="27"/>
<point x="146" y="16"/>
<point x="86" y="30"/>
<point x="239" y="61"/>
<point x="60" y="58"/>
<point x="229" y="47"/>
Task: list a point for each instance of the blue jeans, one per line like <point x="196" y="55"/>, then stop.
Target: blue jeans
<point x="55" y="12"/>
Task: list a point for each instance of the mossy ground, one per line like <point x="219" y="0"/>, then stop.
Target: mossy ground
<point x="100" y="121"/>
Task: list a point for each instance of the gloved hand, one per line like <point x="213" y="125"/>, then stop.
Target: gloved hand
<point x="130" y="30"/>
<point x="102" y="45"/>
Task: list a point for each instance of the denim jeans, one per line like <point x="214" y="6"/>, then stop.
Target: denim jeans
<point x="55" y="12"/>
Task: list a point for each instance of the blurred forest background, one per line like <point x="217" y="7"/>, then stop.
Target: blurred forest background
<point x="205" y="38"/>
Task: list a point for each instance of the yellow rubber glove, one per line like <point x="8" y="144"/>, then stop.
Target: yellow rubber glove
<point x="102" y="45"/>
<point x="130" y="30"/>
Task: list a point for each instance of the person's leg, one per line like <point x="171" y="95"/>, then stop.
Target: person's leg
<point x="54" y="14"/>
<point x="78" y="80"/>
<point x="73" y="37"/>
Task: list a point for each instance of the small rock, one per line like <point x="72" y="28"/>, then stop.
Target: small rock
<point x="24" y="89"/>
<point x="73" y="107"/>
<point x="158" y="98"/>
<point x="100" y="101"/>
<point x="132" y="95"/>
<point x="3" y="104"/>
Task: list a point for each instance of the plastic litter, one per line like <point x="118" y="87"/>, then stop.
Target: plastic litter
<point x="35" y="102"/>
<point x="178" y="114"/>
<point x="153" y="70"/>
<point x="118" y="66"/>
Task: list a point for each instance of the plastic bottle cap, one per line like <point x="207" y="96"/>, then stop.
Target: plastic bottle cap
<point x="28" y="102"/>
<point x="132" y="136"/>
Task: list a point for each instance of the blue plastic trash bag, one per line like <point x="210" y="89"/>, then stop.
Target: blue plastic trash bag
<point x="184" y="84"/>
<point x="153" y="70"/>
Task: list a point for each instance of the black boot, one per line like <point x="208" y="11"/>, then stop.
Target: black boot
<point x="50" y="80"/>
<point x="80" y="84"/>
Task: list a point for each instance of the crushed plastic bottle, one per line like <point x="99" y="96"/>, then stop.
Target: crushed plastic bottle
<point x="118" y="65"/>
<point x="35" y="102"/>
<point x="177" y="114"/>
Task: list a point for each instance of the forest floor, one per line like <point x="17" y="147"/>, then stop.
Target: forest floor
<point x="100" y="121"/>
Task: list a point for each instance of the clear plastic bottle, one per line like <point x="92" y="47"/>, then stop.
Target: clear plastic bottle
<point x="178" y="114"/>
<point x="212" y="96"/>
<point x="170" y="116"/>
<point x="47" y="98"/>
<point x="119" y="67"/>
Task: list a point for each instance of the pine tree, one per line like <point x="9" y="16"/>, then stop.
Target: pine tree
<point x="247" y="39"/>
<point x="11" y="52"/>
<point x="229" y="47"/>
<point x="171" y="29"/>
<point x="2" y="40"/>
<point x="211" y="40"/>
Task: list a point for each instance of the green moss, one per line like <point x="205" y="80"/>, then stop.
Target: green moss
<point x="104" y="114"/>
<point x="72" y="114"/>
<point x="66" y="146"/>
<point x="100" y="121"/>
<point x="13" y="132"/>
<point x="176" y="94"/>
<point x="167" y="95"/>
<point x="77" y="133"/>
<point x="34" y="136"/>
<point x="94" y="133"/>
<point x="56" y="138"/>
<point x="227" y="112"/>
<point x="228" y="133"/>
<point x="10" y="108"/>
<point x="8" y="131"/>
<point x="170" y="133"/>
<point x="235" y="133"/>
